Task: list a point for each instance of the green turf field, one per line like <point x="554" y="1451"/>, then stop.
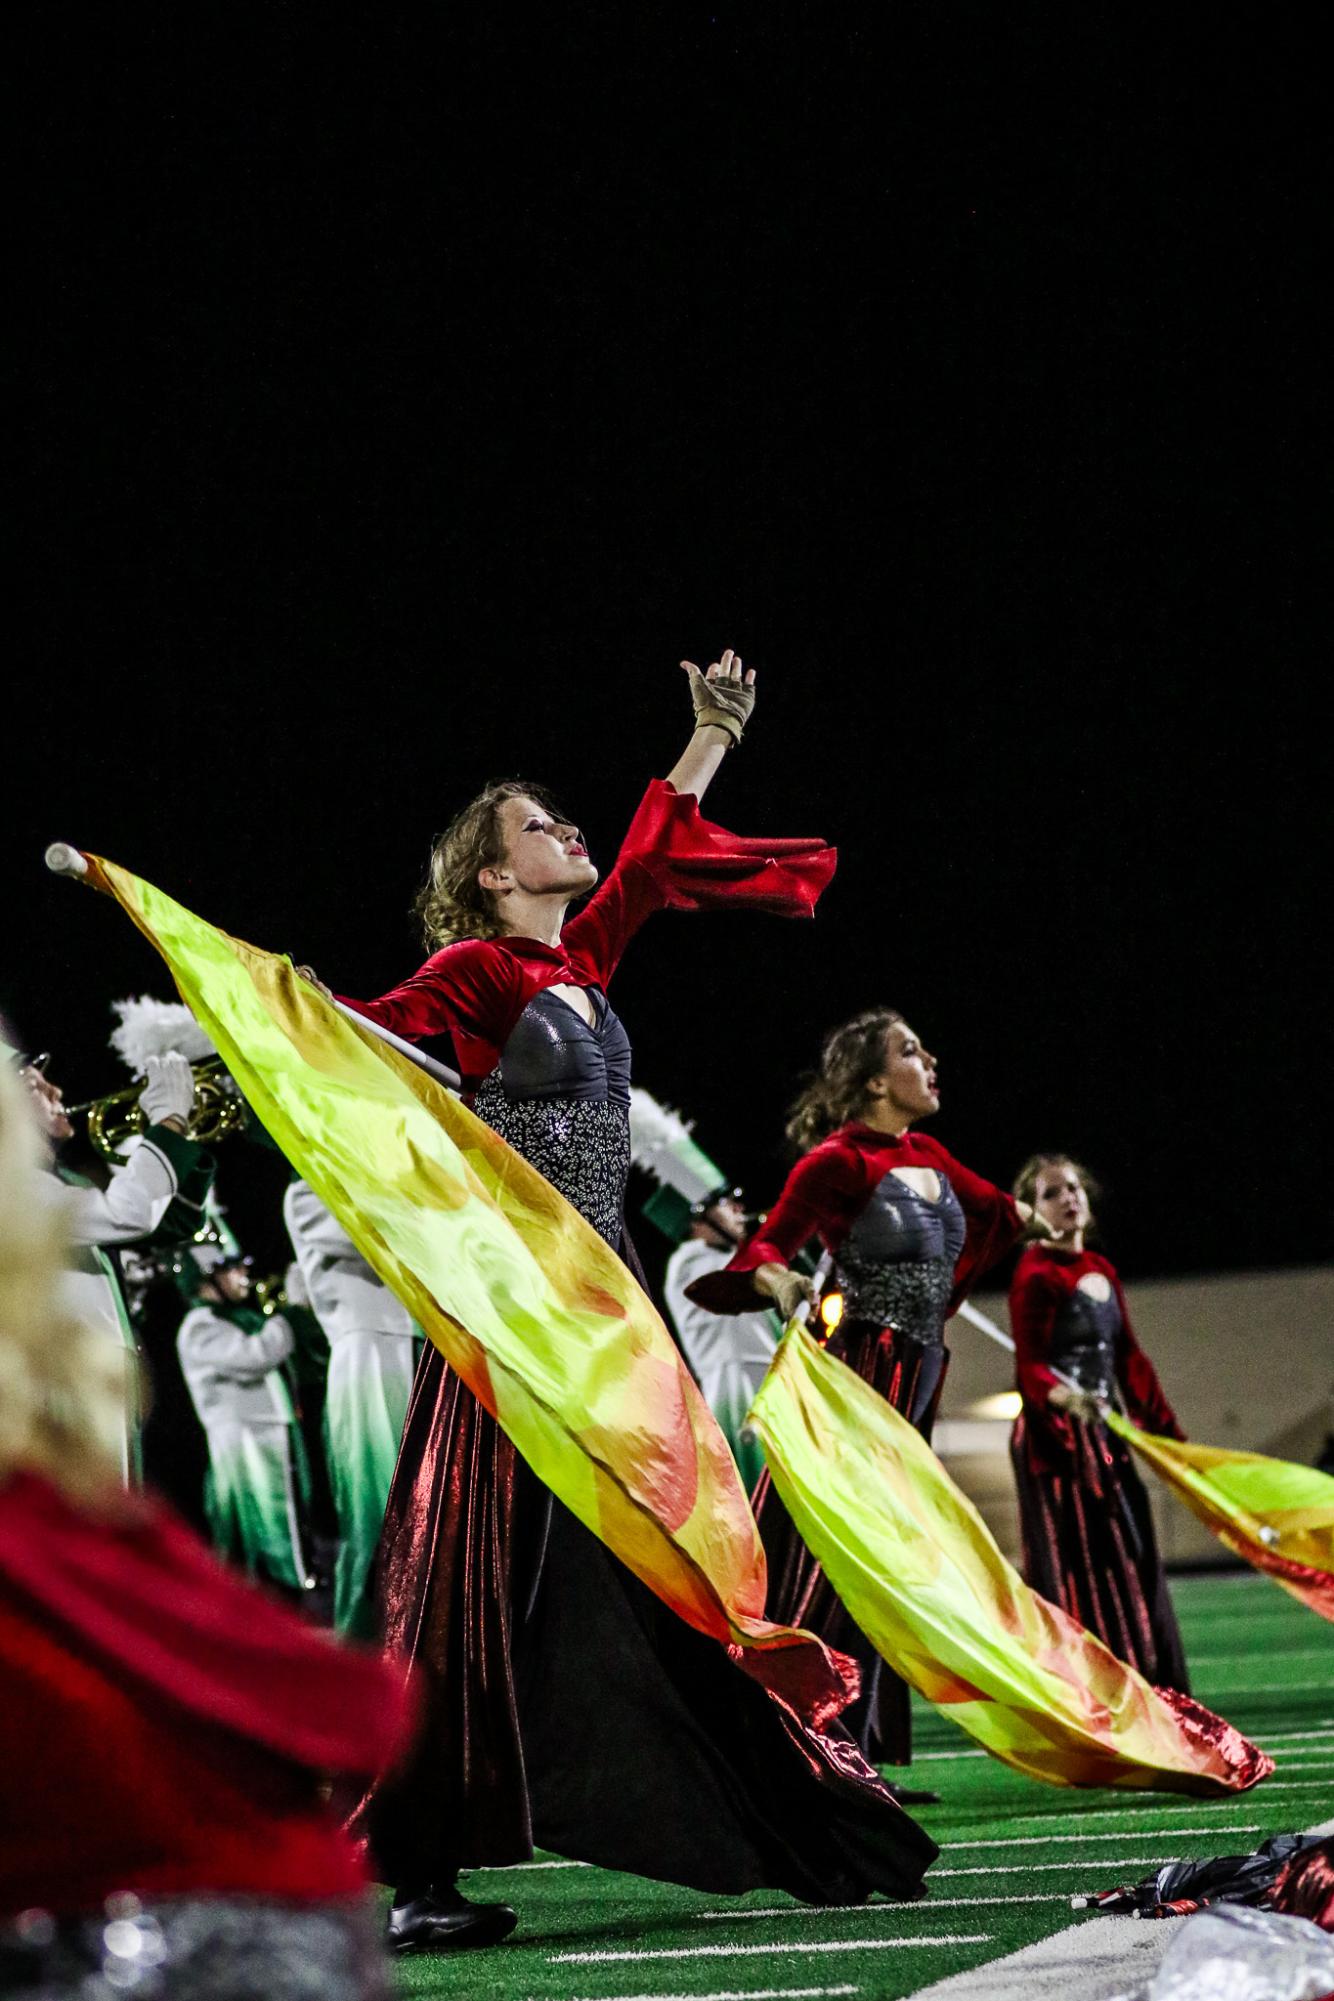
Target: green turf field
<point x="1013" y="1852"/>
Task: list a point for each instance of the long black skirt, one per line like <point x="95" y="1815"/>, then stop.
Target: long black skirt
<point x="565" y="1705"/>
<point x="1089" y="1545"/>
<point x="910" y="1375"/>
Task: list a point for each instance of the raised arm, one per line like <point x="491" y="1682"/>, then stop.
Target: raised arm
<point x="723" y="699"/>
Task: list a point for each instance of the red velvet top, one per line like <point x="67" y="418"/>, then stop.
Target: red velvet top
<point x="1046" y="1276"/>
<point x="828" y="1189"/>
<point x="672" y="859"/>
<point x="164" y="1726"/>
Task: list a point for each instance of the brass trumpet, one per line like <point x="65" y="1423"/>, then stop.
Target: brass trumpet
<point x="219" y="1110"/>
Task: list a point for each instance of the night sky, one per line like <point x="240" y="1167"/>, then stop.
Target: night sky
<point x="402" y="397"/>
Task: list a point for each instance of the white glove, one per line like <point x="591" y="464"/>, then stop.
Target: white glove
<point x="169" y="1092"/>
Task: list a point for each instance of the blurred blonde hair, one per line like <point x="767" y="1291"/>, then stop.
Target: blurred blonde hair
<point x="62" y="1384"/>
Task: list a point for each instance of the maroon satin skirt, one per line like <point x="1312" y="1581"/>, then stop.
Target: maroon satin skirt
<point x="565" y="1705"/>
<point x="910" y="1375"/>
<point x="1089" y="1545"/>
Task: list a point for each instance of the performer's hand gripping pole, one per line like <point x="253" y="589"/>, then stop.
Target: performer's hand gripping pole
<point x="749" y="1435"/>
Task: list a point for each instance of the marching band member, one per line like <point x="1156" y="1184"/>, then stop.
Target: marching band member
<point x="1088" y="1537"/>
<point x="566" y="1704"/>
<point x="694" y="1207"/>
<point x="232" y="1358"/>
<point x="160" y="1168"/>
<point x="728" y="1352"/>
<point x="372" y="1356"/>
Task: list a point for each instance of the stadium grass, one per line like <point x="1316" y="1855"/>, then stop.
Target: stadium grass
<point x="1014" y="1852"/>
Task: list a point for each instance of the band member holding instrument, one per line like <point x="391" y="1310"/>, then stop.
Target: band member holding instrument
<point x="161" y="1169"/>
<point x="232" y="1357"/>
<point x="1088" y="1535"/>
<point x="566" y="1704"/>
<point x="910" y="1230"/>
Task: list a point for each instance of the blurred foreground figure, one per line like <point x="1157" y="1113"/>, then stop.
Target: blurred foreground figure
<point x="158" y="1184"/>
<point x="1088" y="1537"/>
<point x="166" y="1732"/>
<point x="371" y="1362"/>
<point x="232" y="1357"/>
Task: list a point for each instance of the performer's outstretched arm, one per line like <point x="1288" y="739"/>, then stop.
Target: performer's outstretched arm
<point x="723" y="698"/>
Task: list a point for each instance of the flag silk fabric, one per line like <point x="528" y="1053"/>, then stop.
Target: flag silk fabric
<point x="538" y="1316"/>
<point x="1277" y="1515"/>
<point x="911" y="1559"/>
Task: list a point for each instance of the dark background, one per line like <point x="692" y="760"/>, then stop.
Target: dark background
<point x="401" y="398"/>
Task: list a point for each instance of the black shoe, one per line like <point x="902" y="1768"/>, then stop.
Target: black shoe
<point x="445" y="1921"/>
<point x="912" y="1796"/>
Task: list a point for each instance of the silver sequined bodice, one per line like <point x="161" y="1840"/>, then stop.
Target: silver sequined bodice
<point x="560" y="1096"/>
<point x="896" y="1264"/>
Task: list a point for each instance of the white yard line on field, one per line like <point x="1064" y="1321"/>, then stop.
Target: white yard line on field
<point x="727" y="1994"/>
<point x="504" y="1868"/>
<point x="748" y="1951"/>
<point x="926" y="1906"/>
<point x="1033" y="1868"/>
<point x="1232" y="1660"/>
<point x="1051" y="1840"/>
<point x="1280" y="1688"/>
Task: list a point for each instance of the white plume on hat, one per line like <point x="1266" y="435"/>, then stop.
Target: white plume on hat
<point x="660" y="1142"/>
<point x="151" y="1027"/>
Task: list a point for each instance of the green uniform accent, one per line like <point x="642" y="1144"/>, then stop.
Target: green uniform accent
<point x="257" y="1491"/>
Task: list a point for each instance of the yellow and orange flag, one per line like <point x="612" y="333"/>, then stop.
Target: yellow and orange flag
<point x="542" y="1321"/>
<point x="1277" y="1515"/>
<point x="914" y="1563"/>
<point x="553" y="1335"/>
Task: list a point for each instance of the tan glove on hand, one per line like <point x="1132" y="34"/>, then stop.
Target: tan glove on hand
<point x="787" y="1289"/>
<point x="722" y="703"/>
<point x="1082" y="1404"/>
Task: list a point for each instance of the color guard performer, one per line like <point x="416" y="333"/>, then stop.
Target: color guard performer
<point x="910" y="1230"/>
<point x="1087" y="1531"/>
<point x="565" y="1703"/>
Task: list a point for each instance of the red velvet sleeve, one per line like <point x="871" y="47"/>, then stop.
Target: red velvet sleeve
<point x="470" y="991"/>
<point x="993" y="1222"/>
<point x="145" y="1599"/>
<point x="821" y="1197"/>
<point x="1036" y="1293"/>
<point x="672" y="858"/>
<point x="1145" y="1400"/>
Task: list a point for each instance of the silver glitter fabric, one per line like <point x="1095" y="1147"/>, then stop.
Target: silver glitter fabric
<point x="197" y="1949"/>
<point x="581" y="1145"/>
<point x="896" y="1264"/>
<point x="560" y="1096"/>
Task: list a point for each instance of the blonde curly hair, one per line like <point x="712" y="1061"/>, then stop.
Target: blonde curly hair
<point x="62" y="1384"/>
<point x="452" y="903"/>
